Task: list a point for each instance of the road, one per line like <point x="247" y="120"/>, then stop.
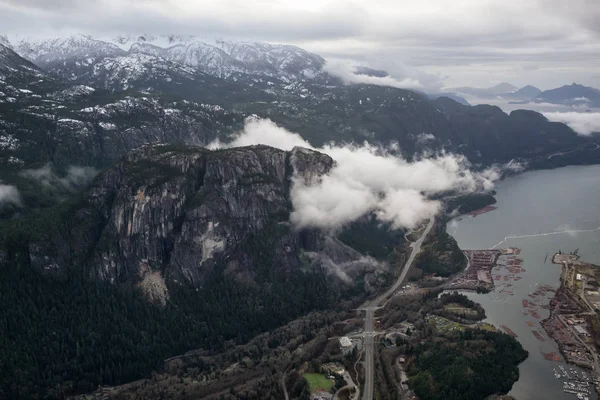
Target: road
<point x="370" y="307"/>
<point x="592" y="311"/>
<point x="285" y="392"/>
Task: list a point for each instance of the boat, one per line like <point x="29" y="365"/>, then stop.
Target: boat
<point x="538" y="336"/>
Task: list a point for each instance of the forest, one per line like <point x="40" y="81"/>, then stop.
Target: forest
<point x="472" y="366"/>
<point x="66" y="335"/>
<point x="440" y="253"/>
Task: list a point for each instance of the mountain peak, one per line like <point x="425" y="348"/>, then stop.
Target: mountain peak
<point x="571" y="94"/>
<point x="503" y="88"/>
<point x="219" y="58"/>
<point x="5" y="42"/>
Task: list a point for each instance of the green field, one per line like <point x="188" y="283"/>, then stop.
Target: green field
<point x="443" y="324"/>
<point x="485" y="327"/>
<point x="318" y="381"/>
<point x="459" y="309"/>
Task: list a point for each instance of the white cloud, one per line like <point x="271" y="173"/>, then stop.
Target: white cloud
<point x="368" y="179"/>
<point x="425" y="137"/>
<point x="345" y="71"/>
<point x="74" y="178"/>
<point x="9" y="194"/>
<point x="263" y="131"/>
<point x="581" y="122"/>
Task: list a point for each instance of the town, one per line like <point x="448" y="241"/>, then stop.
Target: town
<point x="573" y="322"/>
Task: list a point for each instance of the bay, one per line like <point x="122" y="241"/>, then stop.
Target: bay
<point x="540" y="212"/>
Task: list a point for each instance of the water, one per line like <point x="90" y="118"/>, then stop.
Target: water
<point x="539" y="212"/>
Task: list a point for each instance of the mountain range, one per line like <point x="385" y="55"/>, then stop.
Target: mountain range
<point x="84" y="102"/>
<point x="128" y="238"/>
<point x="568" y="95"/>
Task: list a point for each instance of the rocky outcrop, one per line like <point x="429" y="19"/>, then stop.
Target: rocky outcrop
<point x="166" y="214"/>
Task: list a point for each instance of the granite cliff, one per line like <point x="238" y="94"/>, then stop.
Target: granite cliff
<point x="176" y="214"/>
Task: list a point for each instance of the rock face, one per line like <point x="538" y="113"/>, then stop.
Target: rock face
<point x="167" y="214"/>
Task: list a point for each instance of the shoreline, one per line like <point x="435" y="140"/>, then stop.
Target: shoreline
<point x="568" y="324"/>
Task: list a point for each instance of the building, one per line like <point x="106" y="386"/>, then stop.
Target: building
<point x="333" y="368"/>
<point x="345" y="342"/>
<point x="484" y="276"/>
<point x="321" y="395"/>
<point x="581" y="330"/>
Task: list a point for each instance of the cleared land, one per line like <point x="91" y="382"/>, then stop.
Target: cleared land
<point x="444" y="325"/>
<point x="318" y="381"/>
<point x="459" y="309"/>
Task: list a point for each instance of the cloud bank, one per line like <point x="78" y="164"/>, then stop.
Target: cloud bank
<point x="367" y="179"/>
<point x="9" y="195"/>
<point x="583" y="123"/>
<point x="346" y="72"/>
<point x="75" y="177"/>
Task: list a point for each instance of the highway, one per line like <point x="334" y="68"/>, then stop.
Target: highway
<point x="369" y="346"/>
<point x="370" y="307"/>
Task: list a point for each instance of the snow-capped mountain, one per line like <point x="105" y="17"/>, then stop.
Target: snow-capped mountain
<point x="47" y="52"/>
<point x="109" y="104"/>
<point x="122" y="72"/>
<point x="218" y="58"/>
<point x="5" y="42"/>
<point x="221" y="58"/>
<point x="18" y="77"/>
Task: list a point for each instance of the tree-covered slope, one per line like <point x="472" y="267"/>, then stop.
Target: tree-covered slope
<point x="172" y="249"/>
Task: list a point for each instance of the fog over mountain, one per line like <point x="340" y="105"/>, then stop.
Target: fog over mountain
<point x="367" y="179"/>
<point x="582" y="123"/>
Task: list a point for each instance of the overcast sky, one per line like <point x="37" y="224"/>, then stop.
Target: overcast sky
<point x="439" y="42"/>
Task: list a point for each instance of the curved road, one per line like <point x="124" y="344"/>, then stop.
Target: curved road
<point x="370" y="307"/>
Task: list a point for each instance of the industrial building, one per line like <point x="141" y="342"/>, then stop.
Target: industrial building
<point x="581" y="330"/>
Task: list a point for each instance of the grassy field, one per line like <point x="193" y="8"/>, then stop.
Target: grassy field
<point x="318" y="381"/>
<point x="443" y="324"/>
<point x="459" y="309"/>
<point x="485" y="327"/>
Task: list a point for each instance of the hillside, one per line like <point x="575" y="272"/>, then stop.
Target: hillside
<point x="287" y="85"/>
<point x="87" y="113"/>
<point x="573" y="94"/>
<point x="172" y="249"/>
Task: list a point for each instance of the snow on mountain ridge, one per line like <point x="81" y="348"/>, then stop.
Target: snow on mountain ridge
<point x="216" y="57"/>
<point x="46" y="51"/>
<point x="119" y="73"/>
<point x="5" y="42"/>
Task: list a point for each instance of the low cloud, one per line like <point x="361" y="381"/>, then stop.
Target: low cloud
<point x="583" y="123"/>
<point x="368" y="179"/>
<point x="263" y="131"/>
<point x="75" y="177"/>
<point x="346" y="72"/>
<point x="425" y="137"/>
<point x="9" y="195"/>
